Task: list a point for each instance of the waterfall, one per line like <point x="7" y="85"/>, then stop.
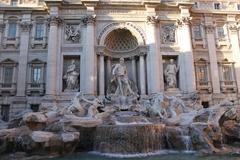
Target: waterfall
<point x="186" y="139"/>
<point x="129" y="139"/>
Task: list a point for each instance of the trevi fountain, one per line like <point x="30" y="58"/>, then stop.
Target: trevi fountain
<point x="124" y="124"/>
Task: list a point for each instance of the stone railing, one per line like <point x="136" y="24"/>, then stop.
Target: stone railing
<point x="204" y="86"/>
<point x="35" y="88"/>
<point x="228" y="86"/>
<point x="11" y="41"/>
<point x="41" y="41"/>
<point x="9" y="88"/>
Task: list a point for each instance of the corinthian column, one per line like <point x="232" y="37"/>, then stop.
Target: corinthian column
<point x="234" y="37"/>
<point x="186" y="61"/>
<point x="90" y="57"/>
<point x="101" y="82"/>
<point x="23" y="56"/>
<point x="210" y="30"/>
<point x="51" y="78"/>
<point x="154" y="60"/>
<point x="2" y="26"/>
<point x="142" y="74"/>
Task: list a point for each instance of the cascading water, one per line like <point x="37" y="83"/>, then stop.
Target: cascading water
<point x="129" y="139"/>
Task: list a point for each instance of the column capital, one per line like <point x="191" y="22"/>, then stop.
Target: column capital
<point x="100" y="53"/>
<point x="152" y="19"/>
<point x="26" y="26"/>
<point x="89" y="19"/>
<point x="210" y="28"/>
<point x="142" y="53"/>
<point x="184" y="21"/>
<point x="54" y="20"/>
<point x="235" y="26"/>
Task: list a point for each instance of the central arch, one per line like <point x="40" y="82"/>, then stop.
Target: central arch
<point x="136" y="31"/>
<point x="122" y="40"/>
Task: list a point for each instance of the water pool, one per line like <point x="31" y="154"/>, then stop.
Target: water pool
<point x="177" y="156"/>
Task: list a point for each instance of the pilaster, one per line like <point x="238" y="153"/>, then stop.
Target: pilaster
<point x="186" y="61"/>
<point x="154" y="59"/>
<point x="53" y="51"/>
<point x="214" y="72"/>
<point x="25" y="27"/>
<point x="90" y="58"/>
<point x="234" y="28"/>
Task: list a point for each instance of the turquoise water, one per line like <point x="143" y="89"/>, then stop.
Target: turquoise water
<point x="90" y="156"/>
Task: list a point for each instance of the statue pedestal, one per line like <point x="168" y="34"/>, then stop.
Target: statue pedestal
<point x="123" y="103"/>
<point x="173" y="91"/>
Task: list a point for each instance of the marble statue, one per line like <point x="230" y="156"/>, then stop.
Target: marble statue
<point x="174" y="103"/>
<point x="120" y="77"/>
<point x="156" y="107"/>
<point x="71" y="77"/>
<point x="170" y="74"/>
<point x="93" y="108"/>
<point x="75" y="107"/>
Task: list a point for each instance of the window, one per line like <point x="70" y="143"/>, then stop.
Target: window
<point x="14" y="2"/>
<point x="205" y="104"/>
<point x="7" y="76"/>
<point x="12" y="31"/>
<point x="197" y="33"/>
<point x="5" y="112"/>
<point x="238" y="6"/>
<point x="35" y="107"/>
<point x="221" y="33"/>
<point x="195" y="5"/>
<point x="217" y="5"/>
<point x="35" y="83"/>
<point x="39" y="31"/>
<point x="202" y="74"/>
<point x="227" y="72"/>
<point x="36" y="74"/>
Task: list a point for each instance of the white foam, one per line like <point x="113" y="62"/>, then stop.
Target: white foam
<point x="162" y="152"/>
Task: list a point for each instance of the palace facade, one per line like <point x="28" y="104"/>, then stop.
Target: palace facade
<point x="40" y="39"/>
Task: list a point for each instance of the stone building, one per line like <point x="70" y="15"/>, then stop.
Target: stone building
<point x="41" y="39"/>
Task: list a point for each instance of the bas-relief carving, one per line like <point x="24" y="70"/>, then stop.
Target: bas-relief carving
<point x="72" y="33"/>
<point x="168" y="34"/>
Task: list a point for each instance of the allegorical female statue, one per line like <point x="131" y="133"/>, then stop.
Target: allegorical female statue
<point x="170" y="74"/>
<point x="71" y="77"/>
